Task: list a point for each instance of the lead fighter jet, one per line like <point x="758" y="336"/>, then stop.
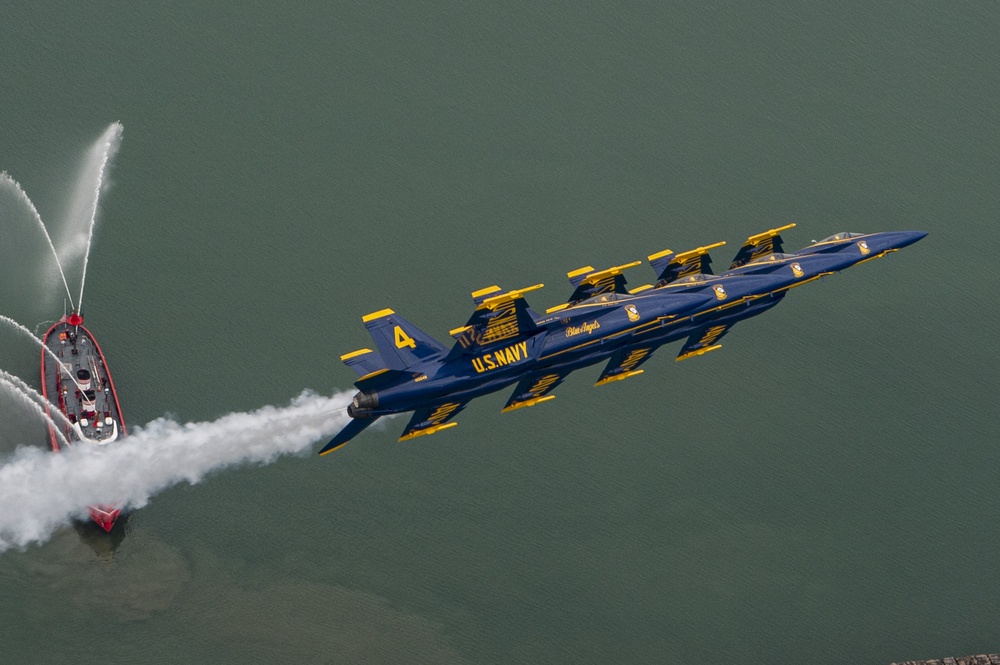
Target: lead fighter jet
<point x="506" y="342"/>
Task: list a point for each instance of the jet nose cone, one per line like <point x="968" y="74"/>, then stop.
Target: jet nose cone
<point x="907" y="238"/>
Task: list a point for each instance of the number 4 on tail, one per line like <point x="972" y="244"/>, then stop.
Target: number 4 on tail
<point x="402" y="339"/>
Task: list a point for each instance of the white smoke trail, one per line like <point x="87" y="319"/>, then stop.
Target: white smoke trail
<point x="13" y="185"/>
<point x="40" y="491"/>
<point x="105" y="150"/>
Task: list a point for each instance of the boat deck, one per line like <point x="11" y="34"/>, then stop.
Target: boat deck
<point x="80" y="386"/>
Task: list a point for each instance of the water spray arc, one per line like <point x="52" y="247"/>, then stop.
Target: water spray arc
<point x="17" y="326"/>
<point x="35" y="395"/>
<point x="14" y="389"/>
<point x="14" y="186"/>
<point x="108" y="146"/>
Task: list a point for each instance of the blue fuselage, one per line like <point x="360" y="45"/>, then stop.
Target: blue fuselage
<point x="595" y="329"/>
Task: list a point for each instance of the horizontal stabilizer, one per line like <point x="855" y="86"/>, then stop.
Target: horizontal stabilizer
<point x="623" y="364"/>
<point x="532" y="389"/>
<point x="353" y="428"/>
<point x="762" y="244"/>
<point x="499" y="317"/>
<point x="431" y="419"/>
<point x="364" y="361"/>
<point x="401" y="344"/>
<point x="670" y="267"/>
<point x="703" y="340"/>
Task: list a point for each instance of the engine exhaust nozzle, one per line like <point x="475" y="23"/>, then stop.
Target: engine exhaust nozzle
<point x="362" y="405"/>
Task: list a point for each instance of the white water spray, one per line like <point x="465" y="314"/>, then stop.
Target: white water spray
<point x="40" y="491"/>
<point x="39" y="399"/>
<point x="13" y="185"/>
<point x="17" y="326"/>
<point x="15" y="390"/>
<point x="100" y="155"/>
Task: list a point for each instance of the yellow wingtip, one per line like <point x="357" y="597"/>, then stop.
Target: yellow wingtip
<point x="618" y="377"/>
<point x="526" y="403"/>
<point x="433" y="429"/>
<point x="699" y="352"/>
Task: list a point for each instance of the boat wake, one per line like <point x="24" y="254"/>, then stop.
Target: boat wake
<point x="39" y="491"/>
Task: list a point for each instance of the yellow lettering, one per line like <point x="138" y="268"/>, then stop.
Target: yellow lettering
<point x="711" y="335"/>
<point x="402" y="339"/>
<point x="442" y="413"/>
<point x="501" y="358"/>
<point x="633" y="359"/>
<point x="543" y="384"/>
<point x="587" y="327"/>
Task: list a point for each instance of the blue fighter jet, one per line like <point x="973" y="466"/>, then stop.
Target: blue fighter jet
<point x="505" y="342"/>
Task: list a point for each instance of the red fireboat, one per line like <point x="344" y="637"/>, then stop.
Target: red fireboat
<point x="79" y="384"/>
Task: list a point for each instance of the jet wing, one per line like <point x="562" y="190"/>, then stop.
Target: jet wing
<point x="534" y="389"/>
<point x="353" y="428"/>
<point x="624" y="363"/>
<point x="703" y="340"/>
<point x="432" y="419"/>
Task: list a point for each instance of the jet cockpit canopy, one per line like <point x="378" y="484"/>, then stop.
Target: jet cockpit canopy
<point x="771" y="258"/>
<point x="843" y="235"/>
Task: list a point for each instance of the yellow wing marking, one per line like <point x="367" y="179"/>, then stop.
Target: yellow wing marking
<point x="692" y="354"/>
<point x="528" y="402"/>
<point x="355" y="354"/>
<point x="618" y="377"/>
<point x="433" y="429"/>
